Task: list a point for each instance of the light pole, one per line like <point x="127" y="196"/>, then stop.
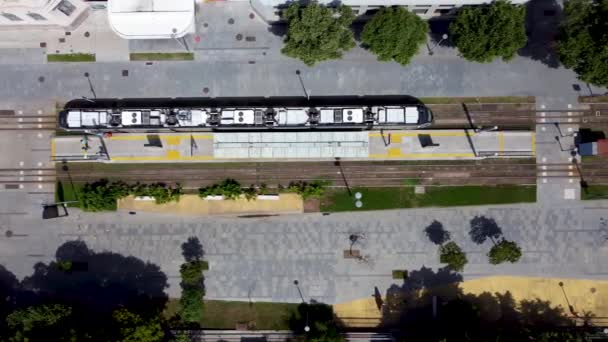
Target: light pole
<point x="443" y="37"/>
<point x="570" y="307"/>
<point x="297" y="284"/>
<point x="174" y="36"/>
<point x="86" y="74"/>
<point x="302" y="84"/>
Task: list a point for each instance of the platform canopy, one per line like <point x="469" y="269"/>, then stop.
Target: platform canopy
<point x="151" y="19"/>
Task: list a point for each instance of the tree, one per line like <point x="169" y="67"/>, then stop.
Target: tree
<point x="451" y="254"/>
<point x="583" y="39"/>
<point x="504" y="251"/>
<point x="316" y="33"/>
<point x="36" y="323"/>
<point x="395" y="33"/>
<point x="486" y="32"/>
<point x="308" y="190"/>
<point x="133" y="328"/>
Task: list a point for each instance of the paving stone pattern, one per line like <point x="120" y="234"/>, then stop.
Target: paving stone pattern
<point x="259" y="258"/>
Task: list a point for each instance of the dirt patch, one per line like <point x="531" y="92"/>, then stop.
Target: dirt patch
<point x="312" y="205"/>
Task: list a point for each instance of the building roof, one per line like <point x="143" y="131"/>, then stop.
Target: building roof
<point x="151" y="19"/>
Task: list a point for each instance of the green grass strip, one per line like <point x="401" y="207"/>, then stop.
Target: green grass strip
<point x="435" y="196"/>
<point x="66" y="192"/>
<point x="71" y="57"/>
<point x="161" y="56"/>
<point x="219" y="314"/>
<point x="594" y="192"/>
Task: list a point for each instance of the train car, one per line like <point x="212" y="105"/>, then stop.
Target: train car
<point x="276" y="115"/>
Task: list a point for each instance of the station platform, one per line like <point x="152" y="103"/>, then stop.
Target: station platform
<point x="267" y="146"/>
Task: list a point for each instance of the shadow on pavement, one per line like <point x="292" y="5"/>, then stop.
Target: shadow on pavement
<point x="430" y="306"/>
<point x="542" y="27"/>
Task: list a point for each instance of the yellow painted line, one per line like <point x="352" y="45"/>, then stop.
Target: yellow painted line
<point x="53" y="148"/>
<point x="432" y="134"/>
<point x="162" y="137"/>
<point x="173" y="140"/>
<point x="423" y="155"/>
<point x="173" y="155"/>
<point x="160" y="158"/>
<point x="534" y="143"/>
<point x="394" y="152"/>
<point x="501" y="142"/>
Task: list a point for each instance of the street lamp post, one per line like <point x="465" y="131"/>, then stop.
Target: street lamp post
<point x="570" y="307"/>
<point x="443" y="37"/>
<point x="302" y="84"/>
<point x="86" y="74"/>
<point x="174" y="36"/>
<point x="297" y="284"/>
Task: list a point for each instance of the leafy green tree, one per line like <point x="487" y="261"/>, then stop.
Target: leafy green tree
<point x="487" y="32"/>
<point x="451" y="254"/>
<point x="583" y="39"/>
<point x="134" y="328"/>
<point x="38" y="323"/>
<point x="191" y="304"/>
<point x="395" y="33"/>
<point x="504" y="251"/>
<point x="317" y="33"/>
<point x="192" y="273"/>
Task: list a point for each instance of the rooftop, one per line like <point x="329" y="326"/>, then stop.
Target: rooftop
<point x="151" y="19"/>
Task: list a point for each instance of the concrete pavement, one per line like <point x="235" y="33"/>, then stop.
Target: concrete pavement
<point x="258" y="258"/>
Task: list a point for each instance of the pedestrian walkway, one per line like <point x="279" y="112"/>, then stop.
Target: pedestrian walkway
<point x="555" y="145"/>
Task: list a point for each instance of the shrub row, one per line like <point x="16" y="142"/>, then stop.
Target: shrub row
<point x="231" y="189"/>
<point x="102" y="195"/>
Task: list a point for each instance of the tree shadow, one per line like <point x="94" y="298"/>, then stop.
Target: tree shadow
<point x="483" y="228"/>
<point x="432" y="307"/>
<point x="192" y="249"/>
<point x="100" y="282"/>
<point x="438" y="27"/>
<point x="436" y="233"/>
<point x="542" y="27"/>
<point x="320" y="319"/>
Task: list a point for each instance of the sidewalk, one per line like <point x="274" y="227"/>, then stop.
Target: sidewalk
<point x="92" y="36"/>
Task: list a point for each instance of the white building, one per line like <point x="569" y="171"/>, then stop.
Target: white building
<point x="271" y="9"/>
<point x="151" y="19"/>
<point x="42" y="13"/>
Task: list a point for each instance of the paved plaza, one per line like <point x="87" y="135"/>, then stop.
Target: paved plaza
<point x="258" y="258"/>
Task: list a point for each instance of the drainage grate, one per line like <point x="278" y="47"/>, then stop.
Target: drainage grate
<point x="250" y="38"/>
<point x="205" y="90"/>
<point x="87" y="34"/>
<point x="62" y="40"/>
<point x="7" y="112"/>
<point x="239" y="37"/>
<point x="251" y="15"/>
<point x="43" y="45"/>
<point x="251" y="62"/>
<point x="41" y="79"/>
<point x="125" y="73"/>
<point x="148" y="63"/>
<point x="68" y="33"/>
<point x="11" y="186"/>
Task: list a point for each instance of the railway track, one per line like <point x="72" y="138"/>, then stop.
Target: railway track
<point x="28" y="122"/>
<point x="353" y="174"/>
